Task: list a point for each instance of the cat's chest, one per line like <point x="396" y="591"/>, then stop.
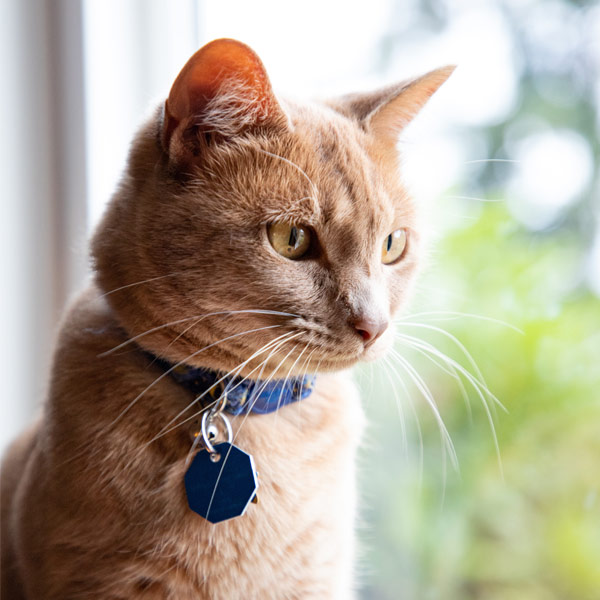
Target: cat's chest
<point x="297" y="542"/>
<point x="300" y="532"/>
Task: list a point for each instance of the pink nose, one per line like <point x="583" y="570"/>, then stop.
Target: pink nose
<point x="369" y="328"/>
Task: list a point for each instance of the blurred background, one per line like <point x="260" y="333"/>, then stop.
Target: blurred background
<point x="493" y="492"/>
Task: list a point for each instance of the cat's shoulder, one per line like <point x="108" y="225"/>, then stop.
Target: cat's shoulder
<point x="90" y="324"/>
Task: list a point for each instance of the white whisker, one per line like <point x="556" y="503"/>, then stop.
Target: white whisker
<point x="386" y="366"/>
<point x="288" y="376"/>
<point x="150" y="280"/>
<point x="199" y="318"/>
<point x="479" y="386"/>
<point x="474" y="198"/>
<point x="427" y="395"/>
<point x="181" y="362"/>
<point x="293" y="164"/>
<point x="454" y="315"/>
<point x="256" y="394"/>
<point x="166" y="429"/>
<point x="490" y="160"/>
<point x="232" y="373"/>
<point x="479" y="381"/>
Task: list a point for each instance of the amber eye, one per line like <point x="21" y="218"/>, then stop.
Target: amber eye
<point x="289" y="240"/>
<point x="393" y="246"/>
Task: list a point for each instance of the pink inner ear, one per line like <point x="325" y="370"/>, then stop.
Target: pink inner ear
<point x="205" y="74"/>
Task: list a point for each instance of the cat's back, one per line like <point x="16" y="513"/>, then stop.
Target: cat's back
<point x="13" y="473"/>
<point x="30" y="472"/>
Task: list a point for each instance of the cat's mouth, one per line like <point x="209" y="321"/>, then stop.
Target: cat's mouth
<point x="344" y="354"/>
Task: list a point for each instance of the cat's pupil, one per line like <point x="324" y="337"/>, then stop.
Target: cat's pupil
<point x="389" y="242"/>
<point x="289" y="240"/>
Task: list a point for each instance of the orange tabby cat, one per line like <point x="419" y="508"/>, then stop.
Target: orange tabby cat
<point x="250" y="236"/>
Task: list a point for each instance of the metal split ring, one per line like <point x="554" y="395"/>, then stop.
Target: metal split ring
<point x="208" y="419"/>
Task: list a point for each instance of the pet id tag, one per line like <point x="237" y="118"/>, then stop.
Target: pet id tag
<point x="221" y="480"/>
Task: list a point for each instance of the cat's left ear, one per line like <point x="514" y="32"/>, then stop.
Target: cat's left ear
<point x="385" y="113"/>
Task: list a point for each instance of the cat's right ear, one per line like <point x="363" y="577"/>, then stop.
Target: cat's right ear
<point x="222" y="91"/>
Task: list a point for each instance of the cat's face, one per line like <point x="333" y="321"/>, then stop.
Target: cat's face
<point x="287" y="221"/>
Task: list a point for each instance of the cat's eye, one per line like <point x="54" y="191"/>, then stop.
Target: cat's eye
<point x="393" y="246"/>
<point x="288" y="239"/>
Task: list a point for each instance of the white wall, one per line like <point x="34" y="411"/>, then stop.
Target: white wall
<point x="43" y="191"/>
<point x="133" y="52"/>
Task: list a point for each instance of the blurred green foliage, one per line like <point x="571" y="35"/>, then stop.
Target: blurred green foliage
<point x="534" y="533"/>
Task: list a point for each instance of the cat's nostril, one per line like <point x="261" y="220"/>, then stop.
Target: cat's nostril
<point x="364" y="333"/>
<point x="369" y="328"/>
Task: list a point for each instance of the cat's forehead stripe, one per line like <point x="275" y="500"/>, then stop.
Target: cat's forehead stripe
<point x="356" y="199"/>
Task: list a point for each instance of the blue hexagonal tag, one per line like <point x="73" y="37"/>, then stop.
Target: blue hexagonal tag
<point x="220" y="485"/>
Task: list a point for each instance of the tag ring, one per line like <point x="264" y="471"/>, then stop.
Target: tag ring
<point x="207" y="419"/>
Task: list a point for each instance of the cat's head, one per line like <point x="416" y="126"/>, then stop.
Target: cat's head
<point x="247" y="227"/>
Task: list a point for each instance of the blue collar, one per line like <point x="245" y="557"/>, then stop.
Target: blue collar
<point x="244" y="396"/>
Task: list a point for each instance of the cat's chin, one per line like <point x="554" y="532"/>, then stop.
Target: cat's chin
<point x="371" y="353"/>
